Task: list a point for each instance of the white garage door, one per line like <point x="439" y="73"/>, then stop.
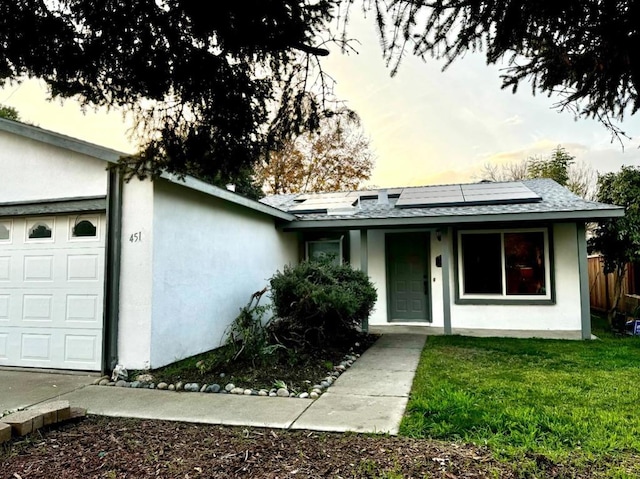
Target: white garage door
<point x="51" y="291"/>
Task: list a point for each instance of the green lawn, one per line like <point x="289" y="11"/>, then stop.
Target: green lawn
<point x="562" y="400"/>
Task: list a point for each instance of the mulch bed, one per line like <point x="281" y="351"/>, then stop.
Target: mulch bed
<point x="298" y="369"/>
<point x="127" y="448"/>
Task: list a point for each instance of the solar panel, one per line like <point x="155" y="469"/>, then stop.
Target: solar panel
<point x="313" y="196"/>
<point x="498" y="193"/>
<point x="430" y="196"/>
<point x="323" y="203"/>
<point x="493" y="186"/>
<point x="466" y="195"/>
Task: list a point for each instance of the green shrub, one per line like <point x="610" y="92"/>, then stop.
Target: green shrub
<point x="248" y="335"/>
<point x="314" y="300"/>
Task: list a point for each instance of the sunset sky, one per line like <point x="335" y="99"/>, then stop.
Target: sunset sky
<point x="426" y="126"/>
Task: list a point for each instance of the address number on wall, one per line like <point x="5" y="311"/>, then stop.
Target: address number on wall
<point x="136" y="237"/>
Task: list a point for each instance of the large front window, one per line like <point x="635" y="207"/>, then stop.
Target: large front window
<point x="325" y="250"/>
<point x="512" y="264"/>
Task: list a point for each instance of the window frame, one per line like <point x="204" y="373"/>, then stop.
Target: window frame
<point x="32" y="221"/>
<point x="8" y="223"/>
<point x="503" y="298"/>
<point x="74" y="220"/>
<point x="339" y="240"/>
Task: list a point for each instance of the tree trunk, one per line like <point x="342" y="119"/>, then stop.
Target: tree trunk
<point x="617" y="291"/>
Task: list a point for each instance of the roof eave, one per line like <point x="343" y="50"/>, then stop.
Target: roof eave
<point x="54" y="206"/>
<point x="377" y="223"/>
<point x="226" y="195"/>
<point x="61" y="141"/>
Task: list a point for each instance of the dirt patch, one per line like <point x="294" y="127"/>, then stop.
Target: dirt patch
<point x="126" y="448"/>
<point x="100" y="447"/>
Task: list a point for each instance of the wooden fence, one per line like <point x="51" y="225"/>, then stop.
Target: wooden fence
<point x="601" y="288"/>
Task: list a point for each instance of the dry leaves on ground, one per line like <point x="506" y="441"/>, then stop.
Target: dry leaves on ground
<point x="126" y="448"/>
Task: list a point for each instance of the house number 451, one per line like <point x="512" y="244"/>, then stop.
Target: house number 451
<point x="136" y="237"/>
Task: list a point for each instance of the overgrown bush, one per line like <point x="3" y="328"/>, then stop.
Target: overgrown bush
<point x="318" y="300"/>
<point x="248" y="335"/>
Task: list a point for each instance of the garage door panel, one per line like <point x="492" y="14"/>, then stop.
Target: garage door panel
<point x="52" y="307"/>
<point x="63" y="268"/>
<point x="5" y="268"/>
<point x="51" y="295"/>
<point x="5" y="303"/>
<point x="83" y="308"/>
<point x="38" y="268"/>
<point x="81" y="348"/>
<point x="83" y="267"/>
<point x="35" y="346"/>
<point x="37" y="308"/>
<point x="51" y="348"/>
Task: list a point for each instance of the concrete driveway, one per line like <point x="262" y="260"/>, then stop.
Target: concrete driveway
<point x="22" y="388"/>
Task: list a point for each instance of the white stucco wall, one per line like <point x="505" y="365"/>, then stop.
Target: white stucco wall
<point x="31" y="170"/>
<point x="377" y="273"/>
<point x="209" y="256"/>
<point x="136" y="275"/>
<point x="564" y="315"/>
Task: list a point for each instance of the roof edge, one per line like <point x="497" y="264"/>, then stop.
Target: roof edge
<point x="54" y="206"/>
<point x="378" y="223"/>
<point x="223" y="194"/>
<point x="62" y="141"/>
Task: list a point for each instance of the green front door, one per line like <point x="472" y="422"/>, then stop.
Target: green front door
<point x="408" y="276"/>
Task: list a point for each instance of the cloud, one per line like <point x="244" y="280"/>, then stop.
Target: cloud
<point x="603" y="160"/>
<point x="611" y="159"/>
<point x="542" y="147"/>
<point x="443" y="178"/>
<point x="513" y="120"/>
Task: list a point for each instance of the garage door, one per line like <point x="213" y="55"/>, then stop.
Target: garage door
<point x="51" y="291"/>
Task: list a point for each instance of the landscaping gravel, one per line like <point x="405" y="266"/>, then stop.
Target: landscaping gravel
<point x="145" y="381"/>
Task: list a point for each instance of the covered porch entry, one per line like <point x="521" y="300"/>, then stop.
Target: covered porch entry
<point x="405" y="265"/>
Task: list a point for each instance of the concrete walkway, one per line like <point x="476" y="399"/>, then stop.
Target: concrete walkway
<point x="370" y="397"/>
<point x="22" y="388"/>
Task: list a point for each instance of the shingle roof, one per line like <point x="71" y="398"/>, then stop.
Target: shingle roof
<point x="557" y="203"/>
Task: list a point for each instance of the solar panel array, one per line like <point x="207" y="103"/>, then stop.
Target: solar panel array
<point x="467" y="195"/>
<point x="420" y="197"/>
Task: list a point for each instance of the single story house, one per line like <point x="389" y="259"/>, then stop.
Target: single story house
<point x="487" y="259"/>
<point x="96" y="271"/>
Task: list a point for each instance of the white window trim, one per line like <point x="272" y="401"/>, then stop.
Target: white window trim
<point x="336" y="240"/>
<point x="30" y="222"/>
<point x="9" y="224"/>
<point x="504" y="296"/>
<point x="74" y="219"/>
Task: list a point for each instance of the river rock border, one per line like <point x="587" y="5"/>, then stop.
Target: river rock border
<point x="145" y="381"/>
